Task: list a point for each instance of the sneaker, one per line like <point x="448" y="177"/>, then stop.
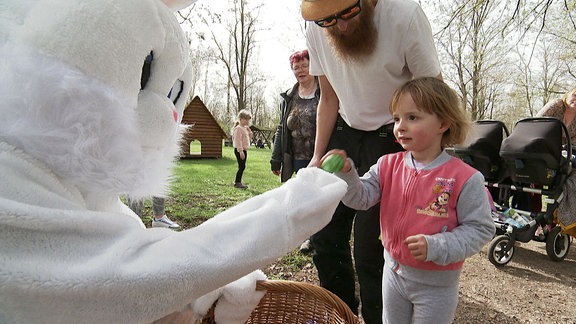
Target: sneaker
<point x="306" y="247"/>
<point x="240" y="185"/>
<point x="164" y="222"/>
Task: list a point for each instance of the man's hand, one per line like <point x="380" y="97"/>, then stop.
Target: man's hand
<point x="315" y="162"/>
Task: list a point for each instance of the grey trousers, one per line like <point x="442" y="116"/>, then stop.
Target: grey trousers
<point x="411" y="302"/>
<point x="137" y="206"/>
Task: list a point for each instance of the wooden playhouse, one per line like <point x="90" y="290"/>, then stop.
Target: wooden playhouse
<point x="205" y="131"/>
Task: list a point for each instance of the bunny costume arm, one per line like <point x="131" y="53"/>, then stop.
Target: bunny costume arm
<point x="60" y="262"/>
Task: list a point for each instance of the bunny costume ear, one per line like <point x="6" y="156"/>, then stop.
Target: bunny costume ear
<point x="178" y="4"/>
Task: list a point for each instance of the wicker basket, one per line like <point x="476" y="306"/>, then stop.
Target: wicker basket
<point x="296" y="302"/>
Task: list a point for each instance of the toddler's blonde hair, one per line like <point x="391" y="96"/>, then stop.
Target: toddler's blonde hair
<point x="434" y="96"/>
<point x="244" y="114"/>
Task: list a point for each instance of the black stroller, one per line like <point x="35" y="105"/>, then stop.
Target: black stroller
<point x="530" y="160"/>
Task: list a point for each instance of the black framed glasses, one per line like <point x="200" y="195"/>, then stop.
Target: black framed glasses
<point x="345" y="14"/>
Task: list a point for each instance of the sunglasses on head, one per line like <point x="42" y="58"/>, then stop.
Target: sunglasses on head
<point x="345" y="14"/>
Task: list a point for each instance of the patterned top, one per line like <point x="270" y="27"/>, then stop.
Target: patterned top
<point x="301" y="123"/>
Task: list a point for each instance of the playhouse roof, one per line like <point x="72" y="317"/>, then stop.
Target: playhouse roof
<point x="197" y="114"/>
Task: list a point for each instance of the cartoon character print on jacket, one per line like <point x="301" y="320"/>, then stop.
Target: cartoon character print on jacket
<point x="439" y="206"/>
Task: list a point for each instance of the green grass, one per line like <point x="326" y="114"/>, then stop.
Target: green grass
<point x="202" y="188"/>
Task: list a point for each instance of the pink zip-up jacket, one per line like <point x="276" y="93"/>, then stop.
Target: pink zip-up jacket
<point x="241" y="136"/>
<point x="446" y="201"/>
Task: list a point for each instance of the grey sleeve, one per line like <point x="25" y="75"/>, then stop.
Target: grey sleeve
<point x="475" y="226"/>
<point x="363" y="192"/>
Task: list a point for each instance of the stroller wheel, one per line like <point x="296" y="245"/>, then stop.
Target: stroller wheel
<point x="557" y="244"/>
<point x="500" y="250"/>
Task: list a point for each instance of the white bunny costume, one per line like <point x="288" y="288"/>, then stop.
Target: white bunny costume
<point x="80" y="126"/>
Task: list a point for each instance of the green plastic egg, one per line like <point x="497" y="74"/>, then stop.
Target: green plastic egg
<point x="333" y="163"/>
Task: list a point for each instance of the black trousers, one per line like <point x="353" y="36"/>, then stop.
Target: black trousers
<point x="332" y="257"/>
<point x="241" y="165"/>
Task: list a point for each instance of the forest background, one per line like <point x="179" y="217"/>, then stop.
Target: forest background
<point x="505" y="58"/>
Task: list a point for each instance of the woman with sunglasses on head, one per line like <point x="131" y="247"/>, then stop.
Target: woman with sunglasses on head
<point x="294" y="138"/>
<point x="564" y="109"/>
<point x="361" y="51"/>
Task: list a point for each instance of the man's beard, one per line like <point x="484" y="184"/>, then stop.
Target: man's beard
<point x="361" y="42"/>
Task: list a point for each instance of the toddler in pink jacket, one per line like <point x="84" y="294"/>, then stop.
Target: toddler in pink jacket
<point x="434" y="210"/>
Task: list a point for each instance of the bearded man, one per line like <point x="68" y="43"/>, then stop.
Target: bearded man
<point x="361" y="50"/>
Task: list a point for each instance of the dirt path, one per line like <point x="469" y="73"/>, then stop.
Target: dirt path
<point x="530" y="289"/>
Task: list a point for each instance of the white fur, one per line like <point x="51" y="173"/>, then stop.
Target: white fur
<point x="76" y="131"/>
<point x="239" y="299"/>
<point x="103" y="134"/>
<point x="78" y="126"/>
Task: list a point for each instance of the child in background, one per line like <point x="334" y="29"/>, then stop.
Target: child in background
<point x="434" y="209"/>
<point x="241" y="138"/>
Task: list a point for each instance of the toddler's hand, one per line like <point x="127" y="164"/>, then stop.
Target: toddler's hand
<point x="418" y="246"/>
